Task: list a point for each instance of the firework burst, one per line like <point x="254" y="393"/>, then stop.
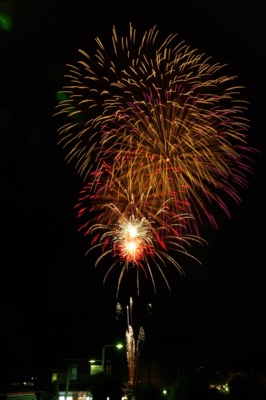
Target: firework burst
<point x="164" y="108"/>
<point x="139" y="236"/>
<point x="158" y="133"/>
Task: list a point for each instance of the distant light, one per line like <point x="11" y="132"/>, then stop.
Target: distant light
<point x="6" y="23"/>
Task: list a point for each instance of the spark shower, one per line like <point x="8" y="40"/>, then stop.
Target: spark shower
<point x="158" y="133"/>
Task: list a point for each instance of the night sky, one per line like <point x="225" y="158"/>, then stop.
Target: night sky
<point x="53" y="302"/>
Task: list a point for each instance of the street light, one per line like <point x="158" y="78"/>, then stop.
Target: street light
<point x="118" y="346"/>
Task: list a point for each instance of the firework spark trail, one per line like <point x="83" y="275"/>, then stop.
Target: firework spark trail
<point x="133" y="352"/>
<point x="158" y="134"/>
<point x="133" y="345"/>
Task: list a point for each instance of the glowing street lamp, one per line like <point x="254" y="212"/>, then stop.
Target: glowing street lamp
<point x="118" y="346"/>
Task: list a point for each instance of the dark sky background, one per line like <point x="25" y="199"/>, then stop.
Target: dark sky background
<point x="53" y="303"/>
